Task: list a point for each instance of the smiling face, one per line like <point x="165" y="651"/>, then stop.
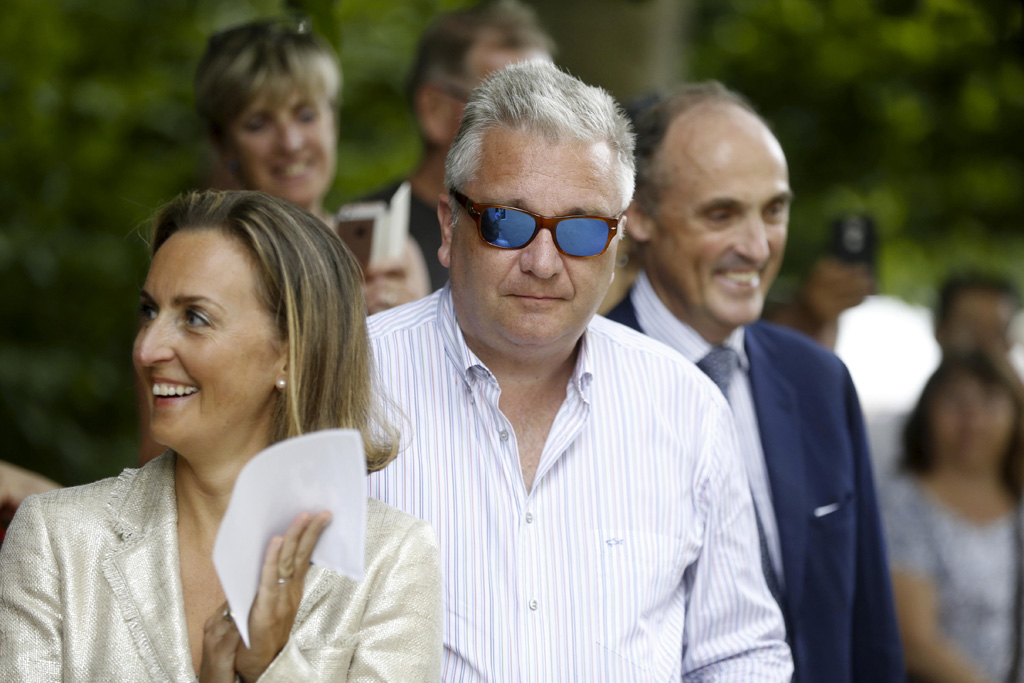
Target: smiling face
<point x="206" y="348"/>
<point x="289" y="151"/>
<point x="717" y="241"/>
<point x="530" y="302"/>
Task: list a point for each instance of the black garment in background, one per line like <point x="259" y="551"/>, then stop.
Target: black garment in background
<point x="423" y="227"/>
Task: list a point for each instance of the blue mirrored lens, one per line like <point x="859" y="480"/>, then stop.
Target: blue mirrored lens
<point x="506" y="228"/>
<point x="582" y="236"/>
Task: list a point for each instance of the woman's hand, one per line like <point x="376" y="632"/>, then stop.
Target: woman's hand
<point x="397" y="281"/>
<point x="279" y="594"/>
<point x="833" y="287"/>
<point x="220" y="643"/>
<point x="929" y="654"/>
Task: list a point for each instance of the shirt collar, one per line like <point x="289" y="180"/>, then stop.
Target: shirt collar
<point x="661" y="324"/>
<point x="471" y="368"/>
<point x="466" y="363"/>
<point x="583" y="374"/>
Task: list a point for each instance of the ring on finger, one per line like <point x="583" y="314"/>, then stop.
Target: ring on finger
<point x="281" y="580"/>
<point x="227" y="614"/>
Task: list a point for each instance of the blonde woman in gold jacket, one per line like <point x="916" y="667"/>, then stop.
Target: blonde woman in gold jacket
<point x="252" y="330"/>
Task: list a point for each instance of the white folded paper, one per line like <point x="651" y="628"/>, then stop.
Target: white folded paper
<point x="390" y="237"/>
<point x="319" y="471"/>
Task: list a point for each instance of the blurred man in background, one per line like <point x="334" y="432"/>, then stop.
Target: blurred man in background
<point x="456" y="52"/>
<point x="974" y="311"/>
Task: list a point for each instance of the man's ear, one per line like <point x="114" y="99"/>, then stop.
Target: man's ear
<point x="617" y="243"/>
<point x="641" y="226"/>
<point x="438" y="115"/>
<point x="445" y="214"/>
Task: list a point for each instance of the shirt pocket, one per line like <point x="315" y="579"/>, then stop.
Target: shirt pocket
<point x="637" y="589"/>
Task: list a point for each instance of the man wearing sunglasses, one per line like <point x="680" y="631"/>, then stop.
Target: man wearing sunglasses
<point x="584" y="481"/>
<point x="711" y="214"/>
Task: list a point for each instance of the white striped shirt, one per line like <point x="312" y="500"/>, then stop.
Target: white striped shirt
<point x="658" y="322"/>
<point x="634" y="557"/>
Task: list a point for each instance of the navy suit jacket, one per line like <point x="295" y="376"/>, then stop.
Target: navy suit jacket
<point x="838" y="598"/>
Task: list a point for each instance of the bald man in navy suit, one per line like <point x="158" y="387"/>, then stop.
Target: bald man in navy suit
<point x="710" y="216"/>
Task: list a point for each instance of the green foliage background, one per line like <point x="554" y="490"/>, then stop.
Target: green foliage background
<point x="97" y="130"/>
<point x="910" y="109"/>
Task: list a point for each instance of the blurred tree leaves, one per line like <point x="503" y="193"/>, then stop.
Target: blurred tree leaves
<point x="911" y="110"/>
<point x="97" y="129"/>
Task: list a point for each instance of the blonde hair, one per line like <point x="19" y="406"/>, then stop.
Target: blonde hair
<point x="311" y="285"/>
<point x="271" y="59"/>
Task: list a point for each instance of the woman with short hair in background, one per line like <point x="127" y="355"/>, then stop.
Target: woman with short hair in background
<point x="269" y="92"/>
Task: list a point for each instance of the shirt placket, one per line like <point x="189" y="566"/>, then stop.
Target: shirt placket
<point x="496" y="440"/>
<point x="541" y="567"/>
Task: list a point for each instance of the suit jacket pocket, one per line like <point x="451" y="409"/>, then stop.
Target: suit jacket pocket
<point x="832" y="551"/>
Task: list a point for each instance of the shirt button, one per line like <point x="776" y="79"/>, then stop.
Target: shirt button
<point x="504" y="435"/>
<point x="533" y="605"/>
<point x="529" y="518"/>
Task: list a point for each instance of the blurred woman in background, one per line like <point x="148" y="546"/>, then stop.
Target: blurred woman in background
<point x="954" y="525"/>
<point x="252" y="330"/>
<point x="269" y="92"/>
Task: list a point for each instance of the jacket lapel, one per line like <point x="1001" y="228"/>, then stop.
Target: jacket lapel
<point x="142" y="568"/>
<point x="778" y="418"/>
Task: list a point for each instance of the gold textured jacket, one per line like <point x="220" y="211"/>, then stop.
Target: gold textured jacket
<point x="90" y="590"/>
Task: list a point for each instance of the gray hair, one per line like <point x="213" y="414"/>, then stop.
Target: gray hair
<point x="652" y="123"/>
<point x="536" y="97"/>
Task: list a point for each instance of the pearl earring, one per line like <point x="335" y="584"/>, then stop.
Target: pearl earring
<point x="281" y="384"/>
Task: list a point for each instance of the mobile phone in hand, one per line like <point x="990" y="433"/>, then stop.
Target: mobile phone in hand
<point x="355" y="223"/>
<point x="855" y="239"/>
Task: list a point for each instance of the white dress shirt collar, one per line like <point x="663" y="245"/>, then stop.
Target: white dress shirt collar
<point x="471" y="368"/>
<point x="660" y="323"/>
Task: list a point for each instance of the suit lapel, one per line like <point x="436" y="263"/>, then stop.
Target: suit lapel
<point x="778" y="418"/>
<point x="142" y="568"/>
